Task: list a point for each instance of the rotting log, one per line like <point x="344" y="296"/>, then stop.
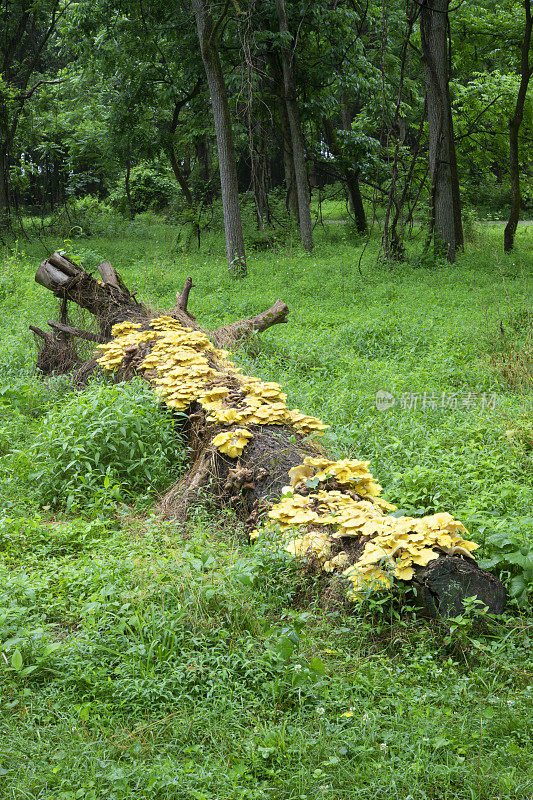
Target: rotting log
<point x="444" y="583"/>
<point x="247" y="468"/>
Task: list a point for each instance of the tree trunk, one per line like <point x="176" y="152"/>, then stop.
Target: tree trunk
<point x="180" y="176"/>
<point x="259" y="173"/>
<point x="128" y="188"/>
<point x="4" y="188"/>
<point x="445" y="198"/>
<point x="201" y="148"/>
<point x="288" y="163"/>
<point x="226" y="151"/>
<point x="514" y="127"/>
<point x="251" y="479"/>
<point x="260" y="189"/>
<point x="297" y="140"/>
<point x="350" y="175"/>
<point x="355" y="200"/>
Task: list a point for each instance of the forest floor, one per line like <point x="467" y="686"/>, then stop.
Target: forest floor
<point x="139" y="659"/>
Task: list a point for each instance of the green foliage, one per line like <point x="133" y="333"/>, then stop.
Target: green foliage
<point x="470" y="221"/>
<point x="511" y="557"/>
<point x="85" y="216"/>
<point x="108" y="442"/>
<point x="151" y="190"/>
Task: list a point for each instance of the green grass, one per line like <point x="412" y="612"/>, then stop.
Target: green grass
<point x="140" y="659"/>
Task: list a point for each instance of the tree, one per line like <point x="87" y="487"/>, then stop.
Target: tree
<point x="26" y="29"/>
<point x="207" y="34"/>
<point x="446" y="225"/>
<point x="147" y="90"/>
<point x="296" y="137"/>
<point x="526" y="71"/>
<point x="246" y="445"/>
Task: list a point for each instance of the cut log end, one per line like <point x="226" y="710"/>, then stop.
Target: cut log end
<point x="446" y="582"/>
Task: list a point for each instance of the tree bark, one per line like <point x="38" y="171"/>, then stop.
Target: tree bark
<point x="445" y="197"/>
<point x="226" y="152"/>
<point x="260" y="179"/>
<point x="514" y="127"/>
<point x="128" y="188"/>
<point x="109" y="303"/>
<point x="201" y="147"/>
<point x="288" y="163"/>
<point x="180" y="176"/>
<point x="297" y="140"/>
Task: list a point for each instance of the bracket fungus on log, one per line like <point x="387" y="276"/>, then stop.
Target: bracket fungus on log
<point x="246" y="445"/>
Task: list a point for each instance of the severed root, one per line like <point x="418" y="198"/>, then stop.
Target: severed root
<point x="56" y="355"/>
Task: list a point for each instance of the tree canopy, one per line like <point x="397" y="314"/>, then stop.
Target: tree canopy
<point x="419" y="110"/>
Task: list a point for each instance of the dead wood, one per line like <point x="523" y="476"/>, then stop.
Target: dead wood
<point x="183" y="298"/>
<point x="272" y="452"/>
<point x="443" y="585"/>
<point x="106" y="301"/>
<point x="252" y="480"/>
<point x="55" y="355"/>
<point x="243" y="329"/>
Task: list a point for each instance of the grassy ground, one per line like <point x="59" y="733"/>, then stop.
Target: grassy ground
<point x="141" y="660"/>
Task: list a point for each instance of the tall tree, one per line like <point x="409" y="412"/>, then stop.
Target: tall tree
<point x="350" y="173"/>
<point x="526" y="71"/>
<point x="207" y="29"/>
<point x="445" y="199"/>
<point x="297" y="140"/>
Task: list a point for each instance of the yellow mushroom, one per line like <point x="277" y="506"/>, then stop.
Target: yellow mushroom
<point x="232" y="443"/>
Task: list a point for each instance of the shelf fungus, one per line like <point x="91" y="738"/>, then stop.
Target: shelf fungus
<point x="347" y="530"/>
<point x="189" y="368"/>
<point x="232" y="443"/>
<point x="246" y="443"/>
<point x="332" y="513"/>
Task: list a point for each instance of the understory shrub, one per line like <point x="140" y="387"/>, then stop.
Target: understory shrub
<point x="114" y="441"/>
<point x="85" y="216"/>
<point x="150" y="190"/>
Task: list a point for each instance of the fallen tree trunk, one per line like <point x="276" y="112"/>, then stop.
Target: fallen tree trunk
<point x="246" y="445"/>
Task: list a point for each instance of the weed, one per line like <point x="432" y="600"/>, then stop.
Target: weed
<point x="141" y="658"/>
<point x="110" y="442"/>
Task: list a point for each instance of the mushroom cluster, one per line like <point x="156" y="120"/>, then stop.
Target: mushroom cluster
<point x="396" y="545"/>
<point x="329" y="503"/>
<point x="232" y="442"/>
<point x="126" y="335"/>
<point x="349" y="473"/>
<point x="185" y="366"/>
<point x="315" y="521"/>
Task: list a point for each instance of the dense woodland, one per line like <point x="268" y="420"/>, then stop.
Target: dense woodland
<point x="174" y="622"/>
<point x="418" y="109"/>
